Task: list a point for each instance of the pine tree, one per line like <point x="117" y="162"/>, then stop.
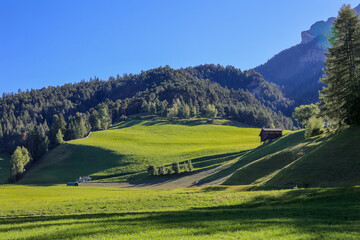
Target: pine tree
<point x="34" y="141"/>
<point x="338" y="99"/>
<point x="95" y="121"/>
<point x="58" y="124"/>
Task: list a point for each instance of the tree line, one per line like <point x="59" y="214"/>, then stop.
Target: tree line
<point x="174" y="168"/>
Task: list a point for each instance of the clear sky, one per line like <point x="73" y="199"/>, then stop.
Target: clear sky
<point x="46" y="43"/>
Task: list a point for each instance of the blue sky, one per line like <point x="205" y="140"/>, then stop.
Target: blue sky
<point x="45" y="43"/>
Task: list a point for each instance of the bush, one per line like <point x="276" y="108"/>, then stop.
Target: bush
<point x="314" y="127"/>
<point x="189" y="165"/>
<point x="185" y="167"/>
<point x="175" y="167"/>
<point x="161" y="170"/>
<point x="168" y="171"/>
<point x="152" y="170"/>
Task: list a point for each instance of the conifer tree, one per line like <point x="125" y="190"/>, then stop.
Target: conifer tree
<point x="339" y="99"/>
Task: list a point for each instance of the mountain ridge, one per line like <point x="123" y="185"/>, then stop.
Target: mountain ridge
<point x="298" y="69"/>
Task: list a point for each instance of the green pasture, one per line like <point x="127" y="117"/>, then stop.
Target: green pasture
<point x="329" y="160"/>
<point x="124" y="152"/>
<point x="218" y="212"/>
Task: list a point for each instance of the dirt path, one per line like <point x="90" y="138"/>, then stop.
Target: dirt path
<point x="190" y="180"/>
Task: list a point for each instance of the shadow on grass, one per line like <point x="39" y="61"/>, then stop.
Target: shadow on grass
<point x="125" y="124"/>
<point x="201" y="164"/>
<point x="317" y="212"/>
<point x="183" y="122"/>
<point x="68" y="162"/>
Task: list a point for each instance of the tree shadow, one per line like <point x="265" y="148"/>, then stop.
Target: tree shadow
<point x="68" y="162"/>
<point x="307" y="211"/>
<point x="202" y="163"/>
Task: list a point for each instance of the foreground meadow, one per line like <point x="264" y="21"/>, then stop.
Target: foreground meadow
<point x="195" y="213"/>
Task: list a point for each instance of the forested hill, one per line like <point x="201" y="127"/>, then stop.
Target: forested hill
<point x="231" y="77"/>
<point x="163" y="91"/>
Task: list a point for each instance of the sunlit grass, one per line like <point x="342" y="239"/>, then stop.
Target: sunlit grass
<point x="126" y="150"/>
<point x="206" y="213"/>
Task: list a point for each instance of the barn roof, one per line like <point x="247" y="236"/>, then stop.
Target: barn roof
<point x="270" y="130"/>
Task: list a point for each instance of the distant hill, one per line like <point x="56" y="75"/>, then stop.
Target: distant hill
<point x="124" y="152"/>
<point x="330" y="160"/>
<point x="231" y="93"/>
<point x="299" y="68"/>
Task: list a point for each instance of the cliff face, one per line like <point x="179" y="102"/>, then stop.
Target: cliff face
<point x="299" y="69"/>
<point x="320" y="28"/>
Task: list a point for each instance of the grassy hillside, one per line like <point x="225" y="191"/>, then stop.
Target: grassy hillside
<point x="200" y="213"/>
<point x="124" y="152"/>
<point x="328" y="160"/>
<point x="4" y="167"/>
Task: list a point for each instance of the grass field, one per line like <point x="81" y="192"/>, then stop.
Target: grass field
<point x="194" y="213"/>
<point x="124" y="152"/>
<point x="329" y="160"/>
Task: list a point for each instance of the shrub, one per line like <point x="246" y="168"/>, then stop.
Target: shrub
<point x="175" y="167"/>
<point x="162" y="170"/>
<point x="185" y="167"/>
<point x="152" y="170"/>
<point x="314" y="127"/>
<point x="189" y="165"/>
<point x="168" y="171"/>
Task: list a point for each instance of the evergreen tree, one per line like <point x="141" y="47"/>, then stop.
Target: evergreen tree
<point x="34" y="141"/>
<point x="78" y="126"/>
<point x="1" y="132"/>
<point x="44" y="146"/>
<point x="95" y="121"/>
<point x="340" y="99"/>
<point x="58" y="124"/>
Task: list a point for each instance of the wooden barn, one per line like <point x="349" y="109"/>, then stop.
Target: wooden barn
<point x="268" y="134"/>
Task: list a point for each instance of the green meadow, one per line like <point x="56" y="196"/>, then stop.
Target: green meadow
<point x="329" y="160"/>
<point x="124" y="152"/>
<point x="221" y="212"/>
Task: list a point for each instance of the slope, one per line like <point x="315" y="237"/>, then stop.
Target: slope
<point x="124" y="152"/>
<point x="332" y="159"/>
